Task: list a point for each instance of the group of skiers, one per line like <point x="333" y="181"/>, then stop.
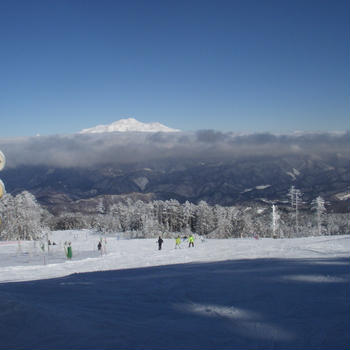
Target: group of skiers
<point x="178" y="241"/>
<point x="101" y="245"/>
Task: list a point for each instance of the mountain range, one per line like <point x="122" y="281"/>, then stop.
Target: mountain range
<point x="73" y="172"/>
<point x="264" y="180"/>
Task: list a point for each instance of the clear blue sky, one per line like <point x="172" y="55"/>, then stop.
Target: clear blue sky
<point x="237" y="65"/>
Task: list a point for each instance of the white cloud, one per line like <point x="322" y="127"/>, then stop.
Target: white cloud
<point x="81" y="150"/>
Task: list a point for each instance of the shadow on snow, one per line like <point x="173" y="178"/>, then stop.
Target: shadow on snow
<point x="262" y="303"/>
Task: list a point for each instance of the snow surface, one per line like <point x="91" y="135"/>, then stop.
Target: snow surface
<point x="233" y="293"/>
<point x="24" y="261"/>
<point x="126" y="125"/>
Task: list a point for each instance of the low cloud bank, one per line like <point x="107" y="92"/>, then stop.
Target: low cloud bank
<point x="80" y="150"/>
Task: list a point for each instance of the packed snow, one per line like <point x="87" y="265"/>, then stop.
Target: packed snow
<point x="26" y="260"/>
<point x="229" y="293"/>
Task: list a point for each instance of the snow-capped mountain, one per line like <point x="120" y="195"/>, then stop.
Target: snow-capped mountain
<point x="129" y="124"/>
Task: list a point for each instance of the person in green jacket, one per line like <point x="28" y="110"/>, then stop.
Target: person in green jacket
<point x="177" y="242"/>
<point x="191" y="241"/>
<point x="69" y="252"/>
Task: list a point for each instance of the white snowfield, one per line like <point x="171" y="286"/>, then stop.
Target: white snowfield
<point x="25" y="260"/>
<point x="222" y="294"/>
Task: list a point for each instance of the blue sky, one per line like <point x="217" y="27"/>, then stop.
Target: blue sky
<point x="248" y="66"/>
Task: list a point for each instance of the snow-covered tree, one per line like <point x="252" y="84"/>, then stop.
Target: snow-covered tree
<point x="124" y="214"/>
<point x="318" y="205"/>
<point x="20" y="217"/>
<point x="100" y="207"/>
<point x="236" y="223"/>
<point x="142" y="219"/>
<point x="70" y="221"/>
<point x="150" y="226"/>
<point x="28" y="214"/>
<point x="295" y="196"/>
<point x="204" y="218"/>
<point x="187" y="215"/>
<point x="223" y="221"/>
<point x="7" y="217"/>
<point x="275" y="221"/>
<point x="113" y="212"/>
<point x="171" y="212"/>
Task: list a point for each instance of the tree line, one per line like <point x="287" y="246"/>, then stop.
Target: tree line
<point x="23" y="218"/>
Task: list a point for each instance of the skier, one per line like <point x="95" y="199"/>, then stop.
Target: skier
<point x="69" y="251"/>
<point x="177" y="242"/>
<point x="191" y="241"/>
<point x="99" y="247"/>
<point x="160" y="242"/>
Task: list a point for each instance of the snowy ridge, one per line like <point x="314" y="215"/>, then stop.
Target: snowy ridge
<point x="343" y="196"/>
<point x="293" y="174"/>
<point x="127" y="125"/>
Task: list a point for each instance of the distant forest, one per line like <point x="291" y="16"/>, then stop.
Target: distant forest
<point x="23" y="218"/>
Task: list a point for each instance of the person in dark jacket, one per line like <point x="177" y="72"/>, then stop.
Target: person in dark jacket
<point x="160" y="242"/>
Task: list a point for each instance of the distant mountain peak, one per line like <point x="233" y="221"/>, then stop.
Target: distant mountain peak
<point x="126" y="125"/>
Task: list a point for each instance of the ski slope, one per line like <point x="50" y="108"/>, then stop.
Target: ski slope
<point x="22" y="261"/>
<point x="221" y="294"/>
